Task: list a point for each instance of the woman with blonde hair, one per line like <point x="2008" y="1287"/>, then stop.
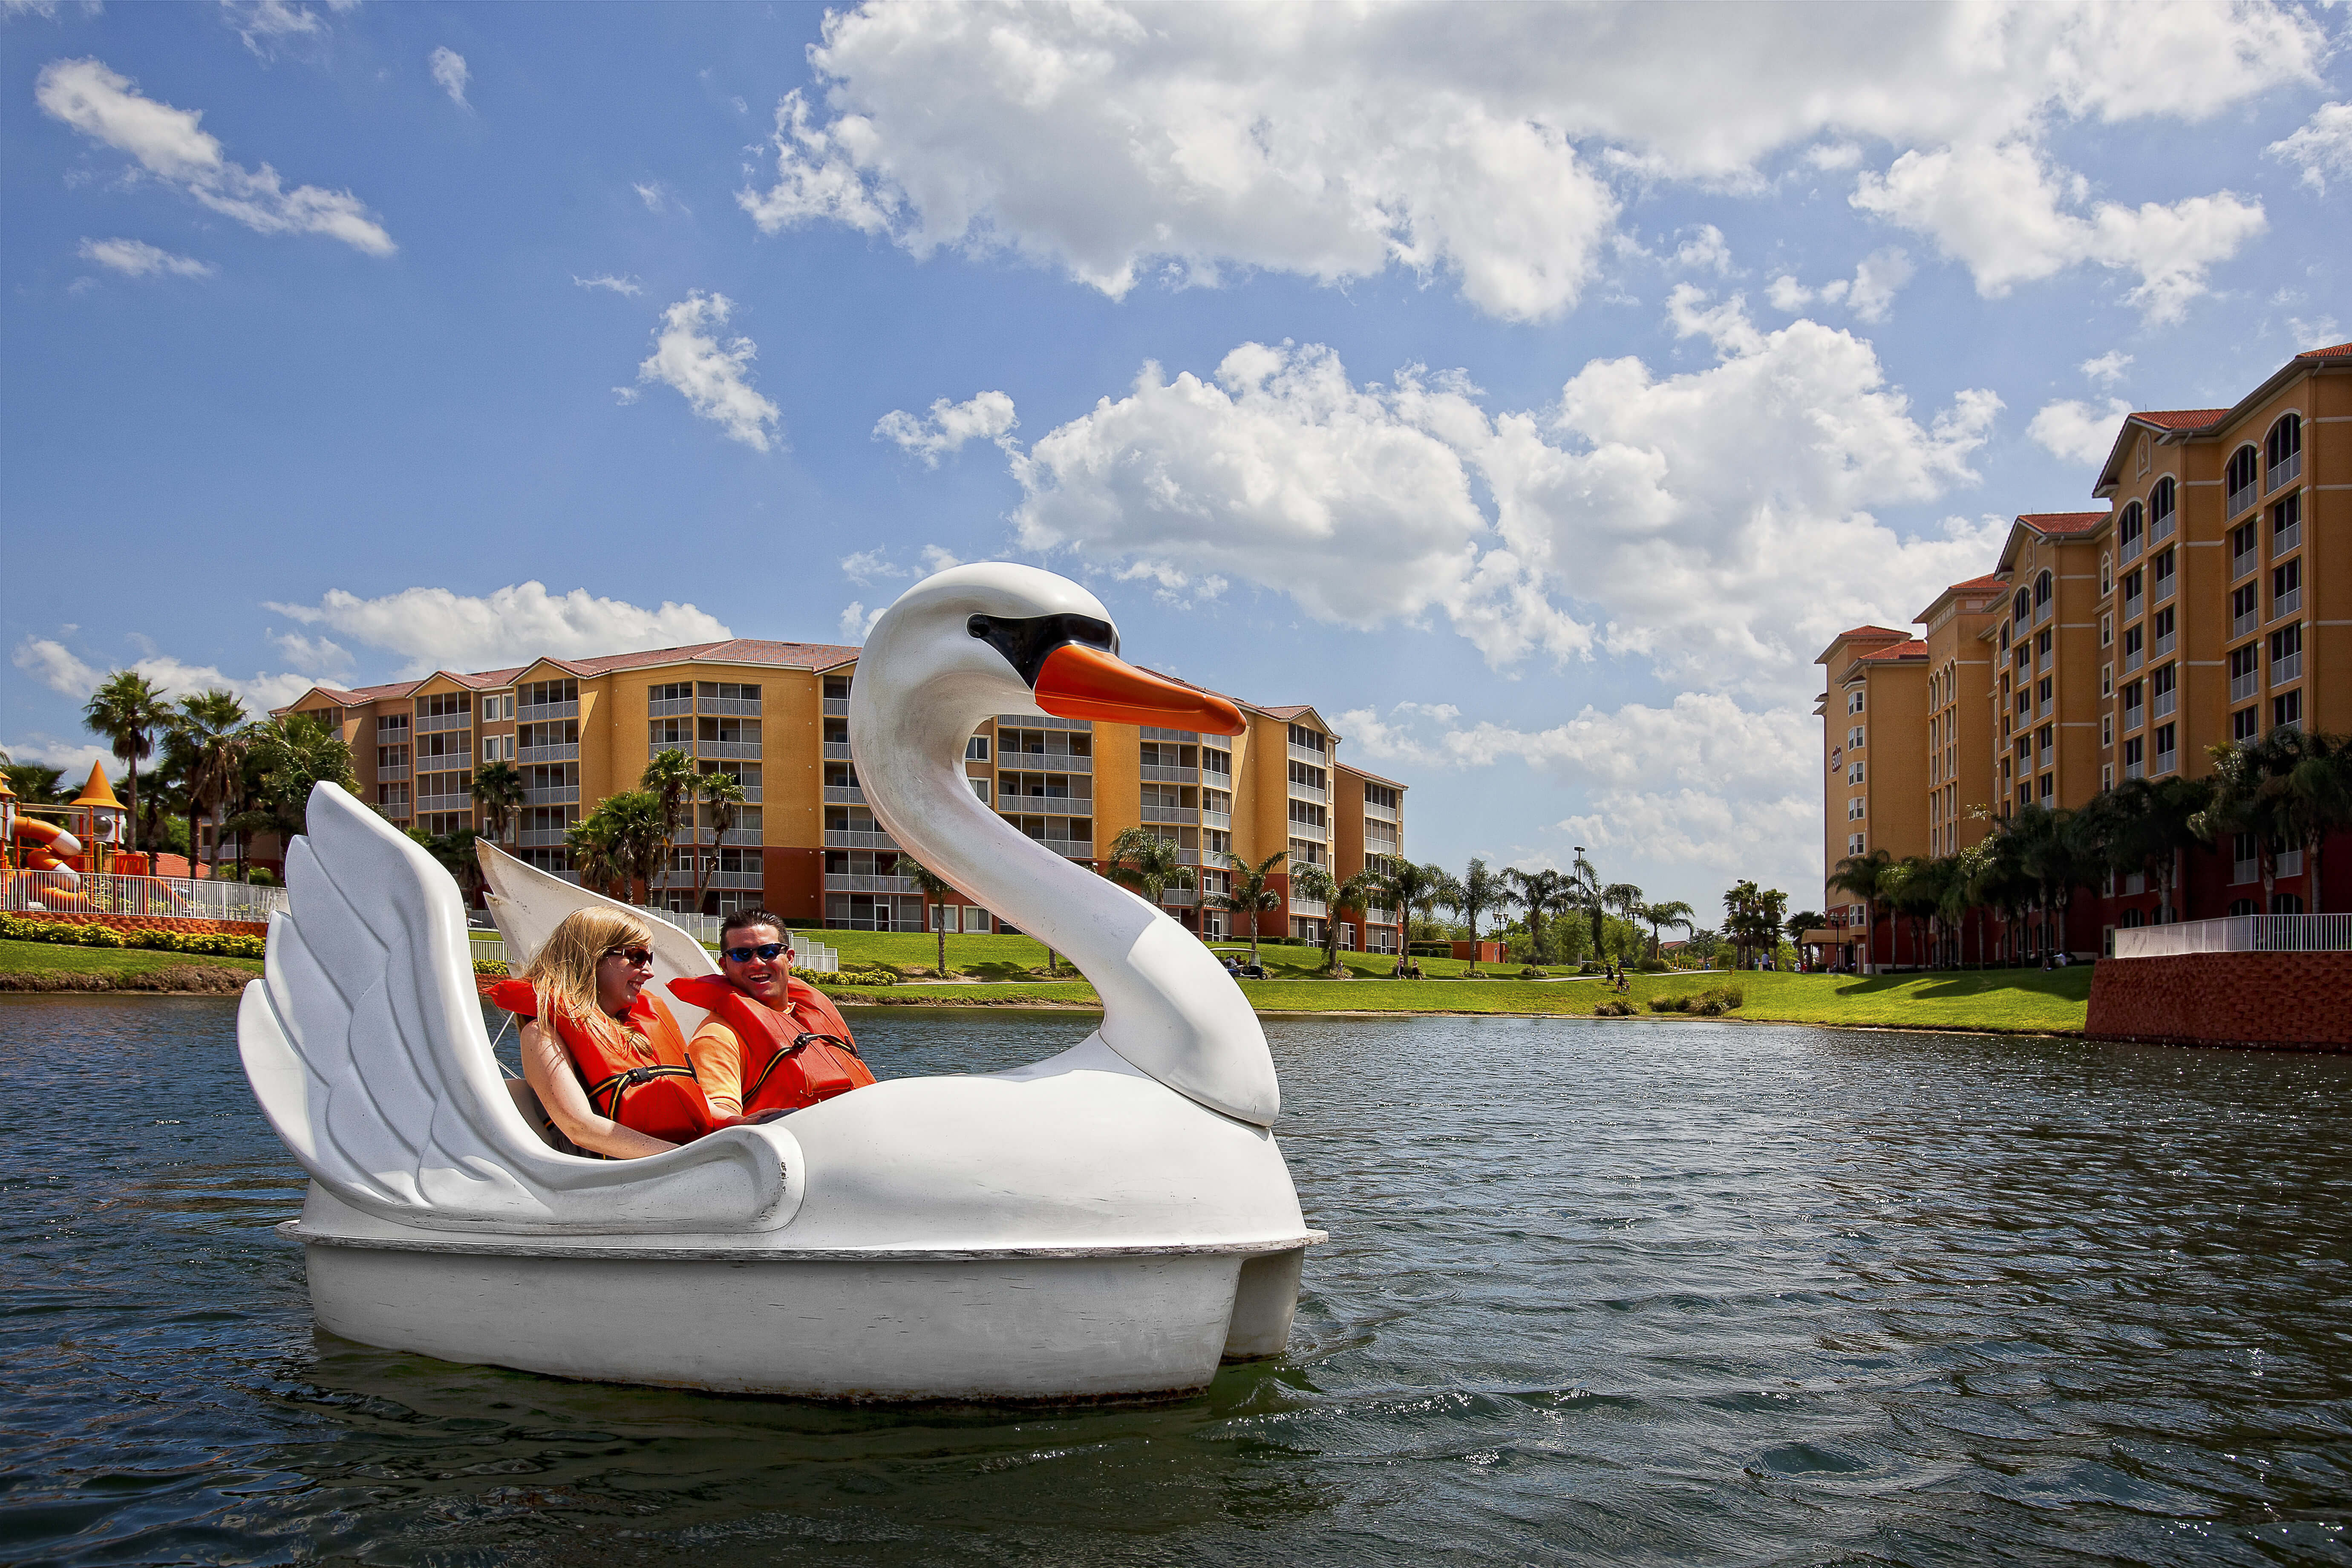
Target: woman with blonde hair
<point x="602" y="1052"/>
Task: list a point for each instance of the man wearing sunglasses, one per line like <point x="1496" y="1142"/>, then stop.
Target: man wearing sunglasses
<point x="772" y="1044"/>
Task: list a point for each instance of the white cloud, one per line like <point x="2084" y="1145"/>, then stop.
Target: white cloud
<point x="435" y="628"/>
<point x="715" y="379"/>
<point x="652" y="195"/>
<point x="2076" y="431"/>
<point x="1702" y="790"/>
<point x="988" y="416"/>
<point x="1704" y="251"/>
<point x="1680" y="520"/>
<point x="2317" y="334"/>
<point x="628" y="286"/>
<point x="1119" y="140"/>
<point x="172" y="145"/>
<point x="2003" y="211"/>
<point x="137" y="258"/>
<point x="2322" y="146"/>
<point x="857" y="620"/>
<point x="71" y="758"/>
<point x="449" y="74"/>
<point x="313" y="653"/>
<point x="935" y="559"/>
<point x="1869" y="293"/>
<point x="2108" y="368"/>
<point x="57" y="668"/>
<point x="266" y="24"/>
<point x="624" y="395"/>
<point x="868" y="567"/>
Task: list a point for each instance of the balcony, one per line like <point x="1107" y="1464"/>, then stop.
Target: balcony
<point x="2163" y="646"/>
<point x="2133" y="715"/>
<point x="2243" y="562"/>
<point x="2041" y="709"/>
<point x="2240" y="500"/>
<point x="2042" y="612"/>
<point x="2244" y="621"/>
<point x="854" y="838"/>
<point x="1048" y="805"/>
<point x="734" y="881"/>
<point x="846" y="882"/>
<point x="1222" y="821"/>
<point x="1175" y="815"/>
<point x="1308" y="792"/>
<point x="731" y="707"/>
<point x="669" y="707"/>
<point x="1052" y="762"/>
<point x="2286" y="667"/>
<point x="1299" y="753"/>
<point x="2244" y="871"/>
<point x="738" y="838"/>
<point x="2286" y="603"/>
<point x="2134" y="658"/>
<point x="1316" y="906"/>
<point x="565" y="794"/>
<point x="444" y="802"/>
<point x="2162" y="588"/>
<point x="1041" y="721"/>
<point x="2132" y="546"/>
<point x="2285" y="539"/>
<point x="836" y="751"/>
<point x="534" y="712"/>
<point x="733" y="751"/>
<point x="392" y="775"/>
<point x="567" y="753"/>
<point x="428" y="723"/>
<point x="2135" y="770"/>
<point x="1179" y="898"/>
<point x="1375" y="812"/>
<point x="539" y="837"/>
<point x="1187" y="737"/>
<point x="2164" y="764"/>
<point x="1155" y="773"/>
<point x="2244" y="686"/>
<point x="2283" y="471"/>
<point x="843" y="795"/>
<point x="1071" y="848"/>
<point x="2132" y="603"/>
<point x="2167" y="703"/>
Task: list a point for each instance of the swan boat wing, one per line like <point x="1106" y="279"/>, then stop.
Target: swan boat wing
<point x="365" y="1045"/>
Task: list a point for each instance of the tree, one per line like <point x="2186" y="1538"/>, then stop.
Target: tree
<point x="725" y="796"/>
<point x="1860" y="876"/>
<point x="500" y="789"/>
<point x="1539" y="893"/>
<point x="937" y="890"/>
<point x="1676" y="913"/>
<point x="2319" y="799"/>
<point x="641" y="831"/>
<point x="1583" y="891"/>
<point x="126" y="711"/>
<point x="1141" y="859"/>
<point x="1752" y="917"/>
<point x="1250" y="890"/>
<point x="1313" y="881"/>
<point x="1475" y="892"/>
<point x="2143" y="827"/>
<point x="2289" y="787"/>
<point x="289" y="757"/>
<point x="1621" y="899"/>
<point x="210" y="726"/>
<point x="670" y="779"/>
<point x="456" y="854"/>
<point x="595" y="857"/>
<point x="1410" y="888"/>
<point x="37" y="783"/>
<point x="2054" y="849"/>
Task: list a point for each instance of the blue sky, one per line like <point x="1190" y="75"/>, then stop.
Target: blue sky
<point x="1534" y="391"/>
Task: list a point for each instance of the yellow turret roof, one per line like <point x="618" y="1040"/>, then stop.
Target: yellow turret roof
<point x="5" y="793"/>
<point x="98" y="793"/>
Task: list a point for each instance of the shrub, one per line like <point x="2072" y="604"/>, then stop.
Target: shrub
<point x="1615" y="1007"/>
<point x="100" y="936"/>
<point x="1531" y="972"/>
<point x="496" y="969"/>
<point x="1654" y="966"/>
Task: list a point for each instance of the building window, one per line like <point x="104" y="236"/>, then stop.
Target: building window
<point x="1854" y="807"/>
<point x="2049" y="785"/>
<point x="2283" y="450"/>
<point x="1308" y="740"/>
<point x="2106" y="631"/>
<point x="1853" y="773"/>
<point x="2286" y="588"/>
<point x="1853" y="700"/>
<point x="2167" y="747"/>
<point x="2106" y="729"/>
<point x="392" y="727"/>
<point x="2239" y="480"/>
<point x="2245" y="725"/>
<point x="2021" y="608"/>
<point x="2286" y="525"/>
<point x="2127" y="531"/>
<point x="976" y="749"/>
<point x="2286" y="711"/>
<point x="2286" y="654"/>
<point x="2160" y="508"/>
<point x="2242" y="540"/>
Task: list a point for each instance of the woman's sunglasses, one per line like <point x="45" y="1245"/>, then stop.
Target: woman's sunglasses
<point x="766" y="951"/>
<point x="637" y="957"/>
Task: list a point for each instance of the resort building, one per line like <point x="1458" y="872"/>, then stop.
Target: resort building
<point x="803" y="842"/>
<point x="2210" y="602"/>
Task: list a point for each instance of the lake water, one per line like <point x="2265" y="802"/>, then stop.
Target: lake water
<point x="1609" y="1293"/>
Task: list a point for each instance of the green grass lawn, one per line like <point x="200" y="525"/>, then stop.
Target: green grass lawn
<point x="2005" y="1000"/>
<point x="43" y="962"/>
<point x="1011" y="958"/>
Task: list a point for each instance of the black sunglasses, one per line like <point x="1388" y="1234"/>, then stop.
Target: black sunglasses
<point x="766" y="950"/>
<point x="636" y="956"/>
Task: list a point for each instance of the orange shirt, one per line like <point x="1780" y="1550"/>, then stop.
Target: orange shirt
<point x="717" y="1053"/>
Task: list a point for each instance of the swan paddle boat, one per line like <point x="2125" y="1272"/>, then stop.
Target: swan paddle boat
<point x="1111" y="1222"/>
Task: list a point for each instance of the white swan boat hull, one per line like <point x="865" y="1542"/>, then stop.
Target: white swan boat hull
<point x="1046" y="1324"/>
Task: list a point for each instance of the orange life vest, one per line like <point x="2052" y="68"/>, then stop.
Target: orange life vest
<point x="792" y="1058"/>
<point x="651" y="1089"/>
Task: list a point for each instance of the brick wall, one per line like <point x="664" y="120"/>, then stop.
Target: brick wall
<point x="151" y="922"/>
<point x="2299" y="1000"/>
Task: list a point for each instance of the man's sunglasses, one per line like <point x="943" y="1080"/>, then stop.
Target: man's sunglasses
<point x="637" y="957"/>
<point x="766" y="951"/>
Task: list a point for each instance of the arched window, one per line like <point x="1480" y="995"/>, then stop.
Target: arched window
<point x="2283" y="450"/>
<point x="2287" y="903"/>
<point x="2131" y="918"/>
<point x="2128" y="531"/>
<point x="2160" y="507"/>
<point x="2041" y="590"/>
<point x="2025" y="606"/>
<point x="2238" y="480"/>
<point x="2241" y="906"/>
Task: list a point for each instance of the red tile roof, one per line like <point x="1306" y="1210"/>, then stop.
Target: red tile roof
<point x="2063" y="521"/>
<point x="2334" y="351"/>
<point x="2180" y="419"/>
<point x="1869" y="632"/>
<point x="1912" y="650"/>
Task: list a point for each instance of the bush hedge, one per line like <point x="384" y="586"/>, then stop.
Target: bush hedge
<point x="1711" y="1003"/>
<point x="218" y="944"/>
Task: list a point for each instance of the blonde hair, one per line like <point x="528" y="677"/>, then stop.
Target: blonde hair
<point x="562" y="972"/>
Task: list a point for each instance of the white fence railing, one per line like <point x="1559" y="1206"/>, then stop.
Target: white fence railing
<point x="139" y="898"/>
<point x="2239" y="933"/>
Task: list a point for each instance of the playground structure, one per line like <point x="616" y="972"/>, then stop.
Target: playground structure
<point x="69" y="860"/>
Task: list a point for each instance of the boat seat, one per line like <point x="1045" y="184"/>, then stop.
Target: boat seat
<point x="525" y="1099"/>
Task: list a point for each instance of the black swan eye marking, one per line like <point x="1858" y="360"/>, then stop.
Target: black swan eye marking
<point x="1025" y="642"/>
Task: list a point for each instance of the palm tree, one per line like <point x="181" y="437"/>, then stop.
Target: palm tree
<point x="1539" y="893"/>
<point x="1147" y="863"/>
<point x="210" y="726"/>
<point x="500" y="789"/>
<point x="1475" y="892"/>
<point x="670" y="778"/>
<point x="595" y="857"/>
<point x="1675" y="913"/>
<point x="2290" y="787"/>
<point x="937" y="890"/>
<point x="2142" y="828"/>
<point x="641" y="831"/>
<point x="1410" y="887"/>
<point x="1861" y="875"/>
<point x="2318" y="799"/>
<point x="126" y="711"/>
<point x="289" y="757"/>
<point x="456" y="854"/>
<point x="2058" y="853"/>
<point x="1753" y="916"/>
<point x="725" y="796"/>
<point x="1250" y="890"/>
<point x="1313" y="881"/>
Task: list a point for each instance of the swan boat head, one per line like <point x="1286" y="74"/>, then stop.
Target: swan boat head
<point x="991" y="638"/>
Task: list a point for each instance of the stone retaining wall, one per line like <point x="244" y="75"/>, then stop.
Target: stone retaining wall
<point x="2300" y="1001"/>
